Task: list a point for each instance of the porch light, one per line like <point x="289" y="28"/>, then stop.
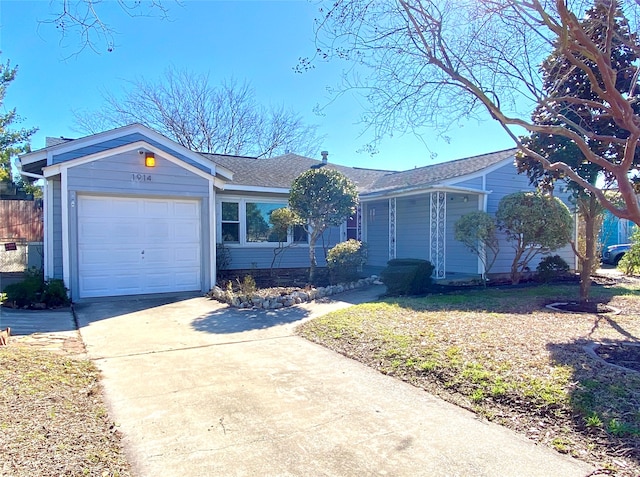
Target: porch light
<point x="150" y="159"/>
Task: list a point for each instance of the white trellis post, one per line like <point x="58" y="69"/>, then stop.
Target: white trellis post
<point x="437" y="225"/>
<point x="392" y="228"/>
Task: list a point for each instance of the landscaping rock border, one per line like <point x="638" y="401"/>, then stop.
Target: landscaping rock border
<point x="272" y="299"/>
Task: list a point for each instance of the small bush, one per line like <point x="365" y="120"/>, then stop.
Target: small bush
<point x="345" y="260"/>
<point x="407" y="276"/>
<point x="551" y="267"/>
<point x="248" y="285"/>
<point x="28" y="291"/>
<point x="55" y="293"/>
<point x="629" y="264"/>
<point x="34" y="289"/>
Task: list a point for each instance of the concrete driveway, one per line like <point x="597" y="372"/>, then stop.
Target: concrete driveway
<point x="199" y="389"/>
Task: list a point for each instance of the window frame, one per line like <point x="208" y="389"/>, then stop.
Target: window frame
<point x="242" y="217"/>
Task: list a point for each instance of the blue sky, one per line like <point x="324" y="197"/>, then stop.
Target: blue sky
<point x="257" y="41"/>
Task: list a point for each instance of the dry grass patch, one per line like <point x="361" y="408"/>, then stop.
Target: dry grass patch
<point x="502" y="354"/>
<point x="53" y="420"/>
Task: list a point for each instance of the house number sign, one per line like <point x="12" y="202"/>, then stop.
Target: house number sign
<point x="141" y="177"/>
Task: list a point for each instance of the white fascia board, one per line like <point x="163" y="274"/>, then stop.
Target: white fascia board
<point x="244" y="188"/>
<point x="418" y="190"/>
<point x="31" y="157"/>
<point x="63" y="166"/>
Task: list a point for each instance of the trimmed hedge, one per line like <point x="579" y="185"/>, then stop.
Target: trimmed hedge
<point x="407" y="276"/>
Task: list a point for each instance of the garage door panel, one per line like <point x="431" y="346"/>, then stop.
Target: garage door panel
<point x="187" y="209"/>
<point x="138" y="245"/>
<point x="157" y="208"/>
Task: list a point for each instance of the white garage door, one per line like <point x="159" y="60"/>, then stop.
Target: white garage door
<point x="131" y="246"/>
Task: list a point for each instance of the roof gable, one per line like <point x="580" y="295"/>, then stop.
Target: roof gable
<point x="66" y="153"/>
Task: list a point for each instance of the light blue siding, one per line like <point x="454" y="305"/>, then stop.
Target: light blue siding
<point x="459" y="259"/>
<point x="55" y="184"/>
<point x="376" y="221"/>
<point x="412" y="227"/>
<point x="295" y="256"/>
<point x="504" y="181"/>
<point x="475" y="183"/>
<point x="122" y="141"/>
<point x="126" y="174"/>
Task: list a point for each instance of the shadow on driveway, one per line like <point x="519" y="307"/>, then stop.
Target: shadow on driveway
<point x="229" y="320"/>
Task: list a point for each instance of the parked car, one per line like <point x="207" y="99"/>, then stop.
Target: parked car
<point x="614" y="253"/>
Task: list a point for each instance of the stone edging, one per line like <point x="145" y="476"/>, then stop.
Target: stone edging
<point x="296" y="297"/>
<point x="590" y="349"/>
<point x="554" y="307"/>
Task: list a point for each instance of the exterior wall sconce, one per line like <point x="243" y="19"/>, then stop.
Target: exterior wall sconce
<point x="149" y="159"/>
<point x="465" y="198"/>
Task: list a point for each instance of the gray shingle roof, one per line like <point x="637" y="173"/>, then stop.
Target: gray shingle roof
<point x="438" y="173"/>
<point x="280" y="171"/>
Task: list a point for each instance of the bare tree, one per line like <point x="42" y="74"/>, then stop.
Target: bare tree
<point x="434" y="61"/>
<point x="84" y="20"/>
<point x="224" y="119"/>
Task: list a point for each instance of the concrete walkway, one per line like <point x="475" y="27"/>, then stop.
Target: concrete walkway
<point x="201" y="390"/>
<point x="53" y="330"/>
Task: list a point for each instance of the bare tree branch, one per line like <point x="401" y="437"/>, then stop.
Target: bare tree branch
<point x="226" y="119"/>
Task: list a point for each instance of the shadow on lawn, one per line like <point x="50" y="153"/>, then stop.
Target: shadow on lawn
<point x="604" y="399"/>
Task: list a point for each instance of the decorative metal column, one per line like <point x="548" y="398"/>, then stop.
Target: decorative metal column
<point x="392" y="228"/>
<point x="437" y="225"/>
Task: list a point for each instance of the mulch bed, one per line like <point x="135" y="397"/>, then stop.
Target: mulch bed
<point x="626" y="355"/>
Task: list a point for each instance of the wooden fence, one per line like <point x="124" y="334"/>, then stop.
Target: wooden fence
<point x="22" y="219"/>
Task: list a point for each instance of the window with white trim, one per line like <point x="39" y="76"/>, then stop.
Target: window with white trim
<point x="230" y="224"/>
<point x="247" y="222"/>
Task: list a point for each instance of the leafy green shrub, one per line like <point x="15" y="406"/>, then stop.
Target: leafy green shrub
<point x="34" y="289"/>
<point x="407" y="276"/>
<point x="550" y="267"/>
<point x="55" y="293"/>
<point x="630" y="261"/>
<point x="345" y="259"/>
<point x="28" y="291"/>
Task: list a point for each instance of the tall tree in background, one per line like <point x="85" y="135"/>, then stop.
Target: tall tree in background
<point x="431" y="62"/>
<point x="226" y="119"/>
<point x="565" y="84"/>
<point x="12" y="141"/>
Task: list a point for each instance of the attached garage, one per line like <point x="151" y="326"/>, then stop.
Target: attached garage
<point x="128" y="212"/>
<point x="133" y="245"/>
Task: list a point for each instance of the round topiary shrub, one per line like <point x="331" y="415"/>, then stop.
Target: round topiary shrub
<point x="551" y="267"/>
<point x="345" y="260"/>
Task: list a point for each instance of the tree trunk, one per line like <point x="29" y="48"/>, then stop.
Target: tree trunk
<point x="313" y="238"/>
<point x="516" y="273"/>
<point x="590" y="213"/>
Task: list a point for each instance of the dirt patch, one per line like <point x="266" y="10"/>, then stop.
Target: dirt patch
<point x="625" y="355"/>
<point x="55" y="421"/>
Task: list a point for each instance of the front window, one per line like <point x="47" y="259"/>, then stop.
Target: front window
<point x="259" y="227"/>
<point x="246" y="221"/>
<point x="230" y="222"/>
